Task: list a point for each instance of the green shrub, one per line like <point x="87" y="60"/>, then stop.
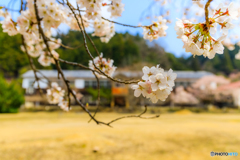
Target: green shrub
<point x="11" y="96"/>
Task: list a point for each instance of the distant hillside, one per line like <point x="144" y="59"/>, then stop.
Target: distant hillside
<point x="221" y="63"/>
<point x="128" y="51"/>
<point x="125" y="49"/>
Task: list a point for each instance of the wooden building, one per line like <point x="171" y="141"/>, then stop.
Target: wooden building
<point x="80" y="80"/>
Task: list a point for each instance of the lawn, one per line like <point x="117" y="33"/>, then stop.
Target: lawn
<point x="68" y="136"/>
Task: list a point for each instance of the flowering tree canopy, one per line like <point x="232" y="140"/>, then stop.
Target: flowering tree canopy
<point x="38" y="18"/>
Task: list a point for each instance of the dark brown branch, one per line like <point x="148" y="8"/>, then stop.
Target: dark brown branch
<point x="206" y="13"/>
<point x="127" y="25"/>
<point x="85" y="67"/>
<point x="62" y="3"/>
<point x="65" y="46"/>
<point x="21" y="6"/>
<point x="134" y="116"/>
<point x="95" y="48"/>
<point x="98" y="99"/>
<point x="75" y="64"/>
<point x="87" y="49"/>
<point x="70" y="91"/>
<point x="37" y="79"/>
<point x="45" y="40"/>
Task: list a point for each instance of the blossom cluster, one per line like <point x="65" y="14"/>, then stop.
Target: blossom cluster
<point x="73" y="23"/>
<point x="202" y="43"/>
<point x="51" y="15"/>
<point x="55" y="96"/>
<point x="105" y="65"/>
<point x="94" y="8"/>
<point x="104" y="30"/>
<point x="155" y="84"/>
<point x="156" y="30"/>
<point x="8" y="25"/>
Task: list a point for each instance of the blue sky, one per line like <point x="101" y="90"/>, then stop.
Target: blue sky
<point x="132" y="15"/>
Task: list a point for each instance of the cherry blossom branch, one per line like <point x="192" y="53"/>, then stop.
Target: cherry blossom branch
<point x="21" y="6"/>
<point x="70" y="91"/>
<point x="75" y="64"/>
<point x="35" y="71"/>
<point x="85" y="67"/>
<point x="49" y="52"/>
<point x="155" y="84"/>
<point x="95" y="48"/>
<point x="65" y="46"/>
<point x="206" y="13"/>
<point x="98" y="99"/>
<point x="31" y="63"/>
<point x="127" y="25"/>
<point x="45" y="40"/>
<point x="135" y="116"/>
<point x="87" y="49"/>
<point x="62" y="3"/>
<point x="60" y="69"/>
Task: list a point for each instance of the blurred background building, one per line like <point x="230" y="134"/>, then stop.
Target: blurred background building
<point x="191" y="88"/>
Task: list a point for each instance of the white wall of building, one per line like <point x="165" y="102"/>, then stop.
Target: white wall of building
<point x="79" y="83"/>
<point x="28" y="83"/>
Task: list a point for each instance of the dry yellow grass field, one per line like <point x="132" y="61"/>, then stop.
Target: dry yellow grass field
<point x="68" y="136"/>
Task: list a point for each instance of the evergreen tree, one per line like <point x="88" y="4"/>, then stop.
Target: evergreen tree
<point x="227" y="65"/>
<point x="11" y="57"/>
<point x="11" y="96"/>
<point x="195" y="64"/>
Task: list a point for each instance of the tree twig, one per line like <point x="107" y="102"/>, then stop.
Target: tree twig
<point x="60" y="72"/>
<point x="126" y="25"/>
<point x="88" y="51"/>
<point x="134" y="116"/>
<point x="98" y="98"/>
<point x="206" y="14"/>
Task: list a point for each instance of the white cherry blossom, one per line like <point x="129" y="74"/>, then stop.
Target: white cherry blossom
<point x="156" y="30"/>
<point x="148" y="72"/>
<point x="227" y="25"/>
<point x="143" y="88"/>
<point x="159" y="81"/>
<point x="171" y="78"/>
<point x="64" y="105"/>
<point x="156" y="84"/>
<point x="104" y="30"/>
<point x="55" y="94"/>
<point x="105" y="65"/>
<point x="198" y="38"/>
<point x="233" y="11"/>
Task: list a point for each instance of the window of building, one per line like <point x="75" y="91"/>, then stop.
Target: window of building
<point x="88" y="84"/>
<point x="30" y="89"/>
<point x="93" y="83"/>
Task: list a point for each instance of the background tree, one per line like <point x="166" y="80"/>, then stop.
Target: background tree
<point x="11" y="96"/>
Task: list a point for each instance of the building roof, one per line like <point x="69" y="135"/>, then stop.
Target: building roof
<point x="128" y="74"/>
<point x="192" y="74"/>
<point x="228" y="89"/>
<point x="231" y="86"/>
<point x="183" y="97"/>
<point x="208" y="81"/>
<point x="67" y="73"/>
